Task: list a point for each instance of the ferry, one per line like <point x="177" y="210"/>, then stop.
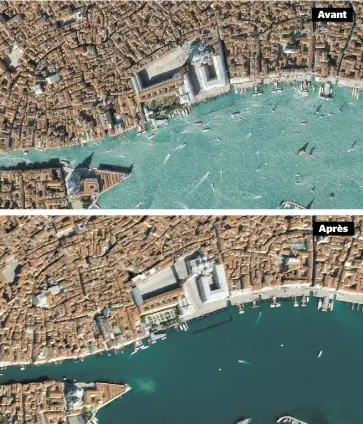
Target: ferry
<point x="320" y="353"/>
<point x="244" y="421"/>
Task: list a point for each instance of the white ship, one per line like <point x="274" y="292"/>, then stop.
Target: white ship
<point x="320" y="353"/>
<point x="244" y="421"/>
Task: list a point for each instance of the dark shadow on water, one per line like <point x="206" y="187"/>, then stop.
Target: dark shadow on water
<point x="115" y="168"/>
<point x="86" y="163"/>
<point x="23" y="166"/>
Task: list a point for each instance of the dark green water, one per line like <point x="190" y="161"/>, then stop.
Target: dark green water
<point x="178" y="380"/>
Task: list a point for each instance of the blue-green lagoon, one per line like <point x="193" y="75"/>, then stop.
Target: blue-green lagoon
<point x="178" y="380"/>
<point x="245" y="161"/>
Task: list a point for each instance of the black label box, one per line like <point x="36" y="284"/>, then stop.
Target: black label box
<point x="329" y="228"/>
<point x="331" y="14"/>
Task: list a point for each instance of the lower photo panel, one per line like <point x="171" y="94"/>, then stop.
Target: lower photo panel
<point x="181" y="319"/>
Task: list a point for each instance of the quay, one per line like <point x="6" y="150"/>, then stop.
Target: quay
<point x="290" y="420"/>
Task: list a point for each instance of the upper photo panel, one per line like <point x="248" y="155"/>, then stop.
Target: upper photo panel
<point x="171" y="105"/>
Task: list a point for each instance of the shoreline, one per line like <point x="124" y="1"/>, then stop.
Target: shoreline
<point x="235" y="84"/>
<point x="237" y="299"/>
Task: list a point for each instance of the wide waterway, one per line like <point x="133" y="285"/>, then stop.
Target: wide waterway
<point x="179" y="380"/>
<point x="255" y="163"/>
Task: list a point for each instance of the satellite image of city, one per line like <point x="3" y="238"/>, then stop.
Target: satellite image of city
<point x="181" y="104"/>
<point x="181" y="220"/>
<point x="200" y="319"/>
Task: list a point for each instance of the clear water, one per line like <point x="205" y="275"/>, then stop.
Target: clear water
<point x="255" y="165"/>
<point x="178" y="380"/>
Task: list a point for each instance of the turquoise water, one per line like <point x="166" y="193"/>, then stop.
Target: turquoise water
<point x="255" y="165"/>
<point x="178" y="380"/>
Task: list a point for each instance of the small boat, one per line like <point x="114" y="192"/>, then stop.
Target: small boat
<point x="205" y="129"/>
<point x="22" y="368"/>
<point x="320" y="353"/>
<point x="144" y="346"/>
<point x="198" y="123"/>
<point x="151" y="136"/>
<point x="244" y="421"/>
<point x="302" y="149"/>
<point x="234" y="114"/>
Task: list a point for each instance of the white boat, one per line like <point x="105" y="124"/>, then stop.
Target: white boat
<point x="277" y="305"/>
<point x="244" y="421"/>
<point x="151" y="136"/>
<point x="320" y="353"/>
<point x="320" y="304"/>
<point x="205" y="129"/>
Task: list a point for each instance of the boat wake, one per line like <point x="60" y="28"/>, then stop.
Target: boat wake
<point x="181" y="146"/>
<point x="242" y="361"/>
<point x="201" y="181"/>
<point x="139" y="204"/>
<point x="258" y="319"/>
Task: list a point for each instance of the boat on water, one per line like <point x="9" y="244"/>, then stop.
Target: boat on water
<point x="198" y="123"/>
<point x="205" y="129"/>
<point x="289" y="420"/>
<point x="320" y="353"/>
<point x="244" y="421"/>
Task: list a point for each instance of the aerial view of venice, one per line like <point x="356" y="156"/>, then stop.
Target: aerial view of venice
<point x="239" y="108"/>
<point x="199" y="319"/>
